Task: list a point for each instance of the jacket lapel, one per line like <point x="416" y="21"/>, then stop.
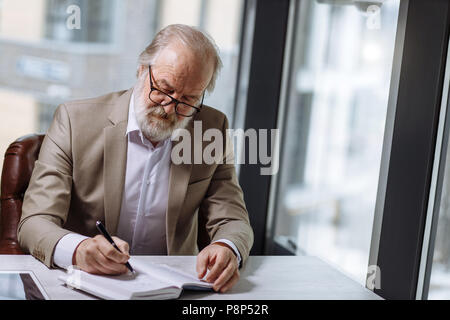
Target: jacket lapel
<point x="178" y="181"/>
<point x="115" y="158"/>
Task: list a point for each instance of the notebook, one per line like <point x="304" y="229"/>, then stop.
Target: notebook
<point x="150" y="281"/>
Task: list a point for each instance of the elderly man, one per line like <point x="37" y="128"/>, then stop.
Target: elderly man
<point x="109" y="159"/>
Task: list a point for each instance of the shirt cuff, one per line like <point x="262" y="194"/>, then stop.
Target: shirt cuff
<point x="65" y="249"/>
<point x="231" y="244"/>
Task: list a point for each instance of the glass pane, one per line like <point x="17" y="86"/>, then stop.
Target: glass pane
<point x="439" y="287"/>
<point x="222" y="21"/>
<point x="79" y="49"/>
<point x="334" y="127"/>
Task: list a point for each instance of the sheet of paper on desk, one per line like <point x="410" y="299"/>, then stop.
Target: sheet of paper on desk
<point x="150" y="281"/>
<point x="162" y="271"/>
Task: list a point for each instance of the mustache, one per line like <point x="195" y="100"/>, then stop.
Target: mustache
<point x="159" y="111"/>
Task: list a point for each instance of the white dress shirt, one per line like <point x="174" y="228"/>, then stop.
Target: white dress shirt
<point x="142" y="221"/>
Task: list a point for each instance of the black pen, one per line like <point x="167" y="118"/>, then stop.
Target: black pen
<point x="105" y="233"/>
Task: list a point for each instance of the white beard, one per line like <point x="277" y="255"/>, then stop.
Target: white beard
<point x="149" y="119"/>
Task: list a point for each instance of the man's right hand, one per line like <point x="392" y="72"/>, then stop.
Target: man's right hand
<point x="96" y="255"/>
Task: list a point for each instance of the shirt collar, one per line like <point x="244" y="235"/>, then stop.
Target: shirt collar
<point x="132" y="122"/>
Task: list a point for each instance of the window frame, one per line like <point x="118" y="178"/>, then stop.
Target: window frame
<point x="261" y="99"/>
<point x="411" y="133"/>
<point x="403" y="191"/>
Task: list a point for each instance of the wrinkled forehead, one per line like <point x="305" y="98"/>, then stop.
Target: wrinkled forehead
<point x="182" y="67"/>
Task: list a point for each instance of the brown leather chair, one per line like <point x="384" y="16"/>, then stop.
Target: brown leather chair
<point x="17" y="168"/>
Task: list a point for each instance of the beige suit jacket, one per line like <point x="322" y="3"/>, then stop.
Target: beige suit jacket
<point x="80" y="174"/>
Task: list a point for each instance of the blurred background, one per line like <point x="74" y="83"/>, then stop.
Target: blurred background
<point x="336" y="101"/>
<point x="336" y="113"/>
<point x="44" y="63"/>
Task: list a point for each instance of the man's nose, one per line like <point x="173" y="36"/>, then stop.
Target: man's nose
<point x="170" y="108"/>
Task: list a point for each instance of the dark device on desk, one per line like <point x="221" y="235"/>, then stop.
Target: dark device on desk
<point x="20" y="285"/>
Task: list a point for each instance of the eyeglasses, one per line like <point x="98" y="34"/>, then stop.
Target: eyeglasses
<point x="163" y="99"/>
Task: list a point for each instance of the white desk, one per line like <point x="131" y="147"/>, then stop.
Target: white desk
<point x="262" y="277"/>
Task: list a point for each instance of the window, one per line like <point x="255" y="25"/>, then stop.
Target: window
<point x="44" y="63"/>
<point x="333" y="130"/>
<point x="222" y="20"/>
<point x="439" y="286"/>
<point x="96" y="16"/>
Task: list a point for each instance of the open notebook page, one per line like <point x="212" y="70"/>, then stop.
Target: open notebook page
<point x="169" y="274"/>
<point x="122" y="286"/>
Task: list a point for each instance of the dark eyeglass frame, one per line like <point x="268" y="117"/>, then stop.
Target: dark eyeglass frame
<point x="172" y="99"/>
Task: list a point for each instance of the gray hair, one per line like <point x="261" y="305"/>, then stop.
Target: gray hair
<point x="198" y="41"/>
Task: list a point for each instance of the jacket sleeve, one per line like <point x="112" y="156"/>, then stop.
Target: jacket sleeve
<point x="47" y="199"/>
<point x="223" y="208"/>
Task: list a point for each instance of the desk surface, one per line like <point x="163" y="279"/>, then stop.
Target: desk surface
<point x="262" y="277"/>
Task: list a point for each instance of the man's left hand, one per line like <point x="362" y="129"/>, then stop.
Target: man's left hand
<point x="222" y="264"/>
